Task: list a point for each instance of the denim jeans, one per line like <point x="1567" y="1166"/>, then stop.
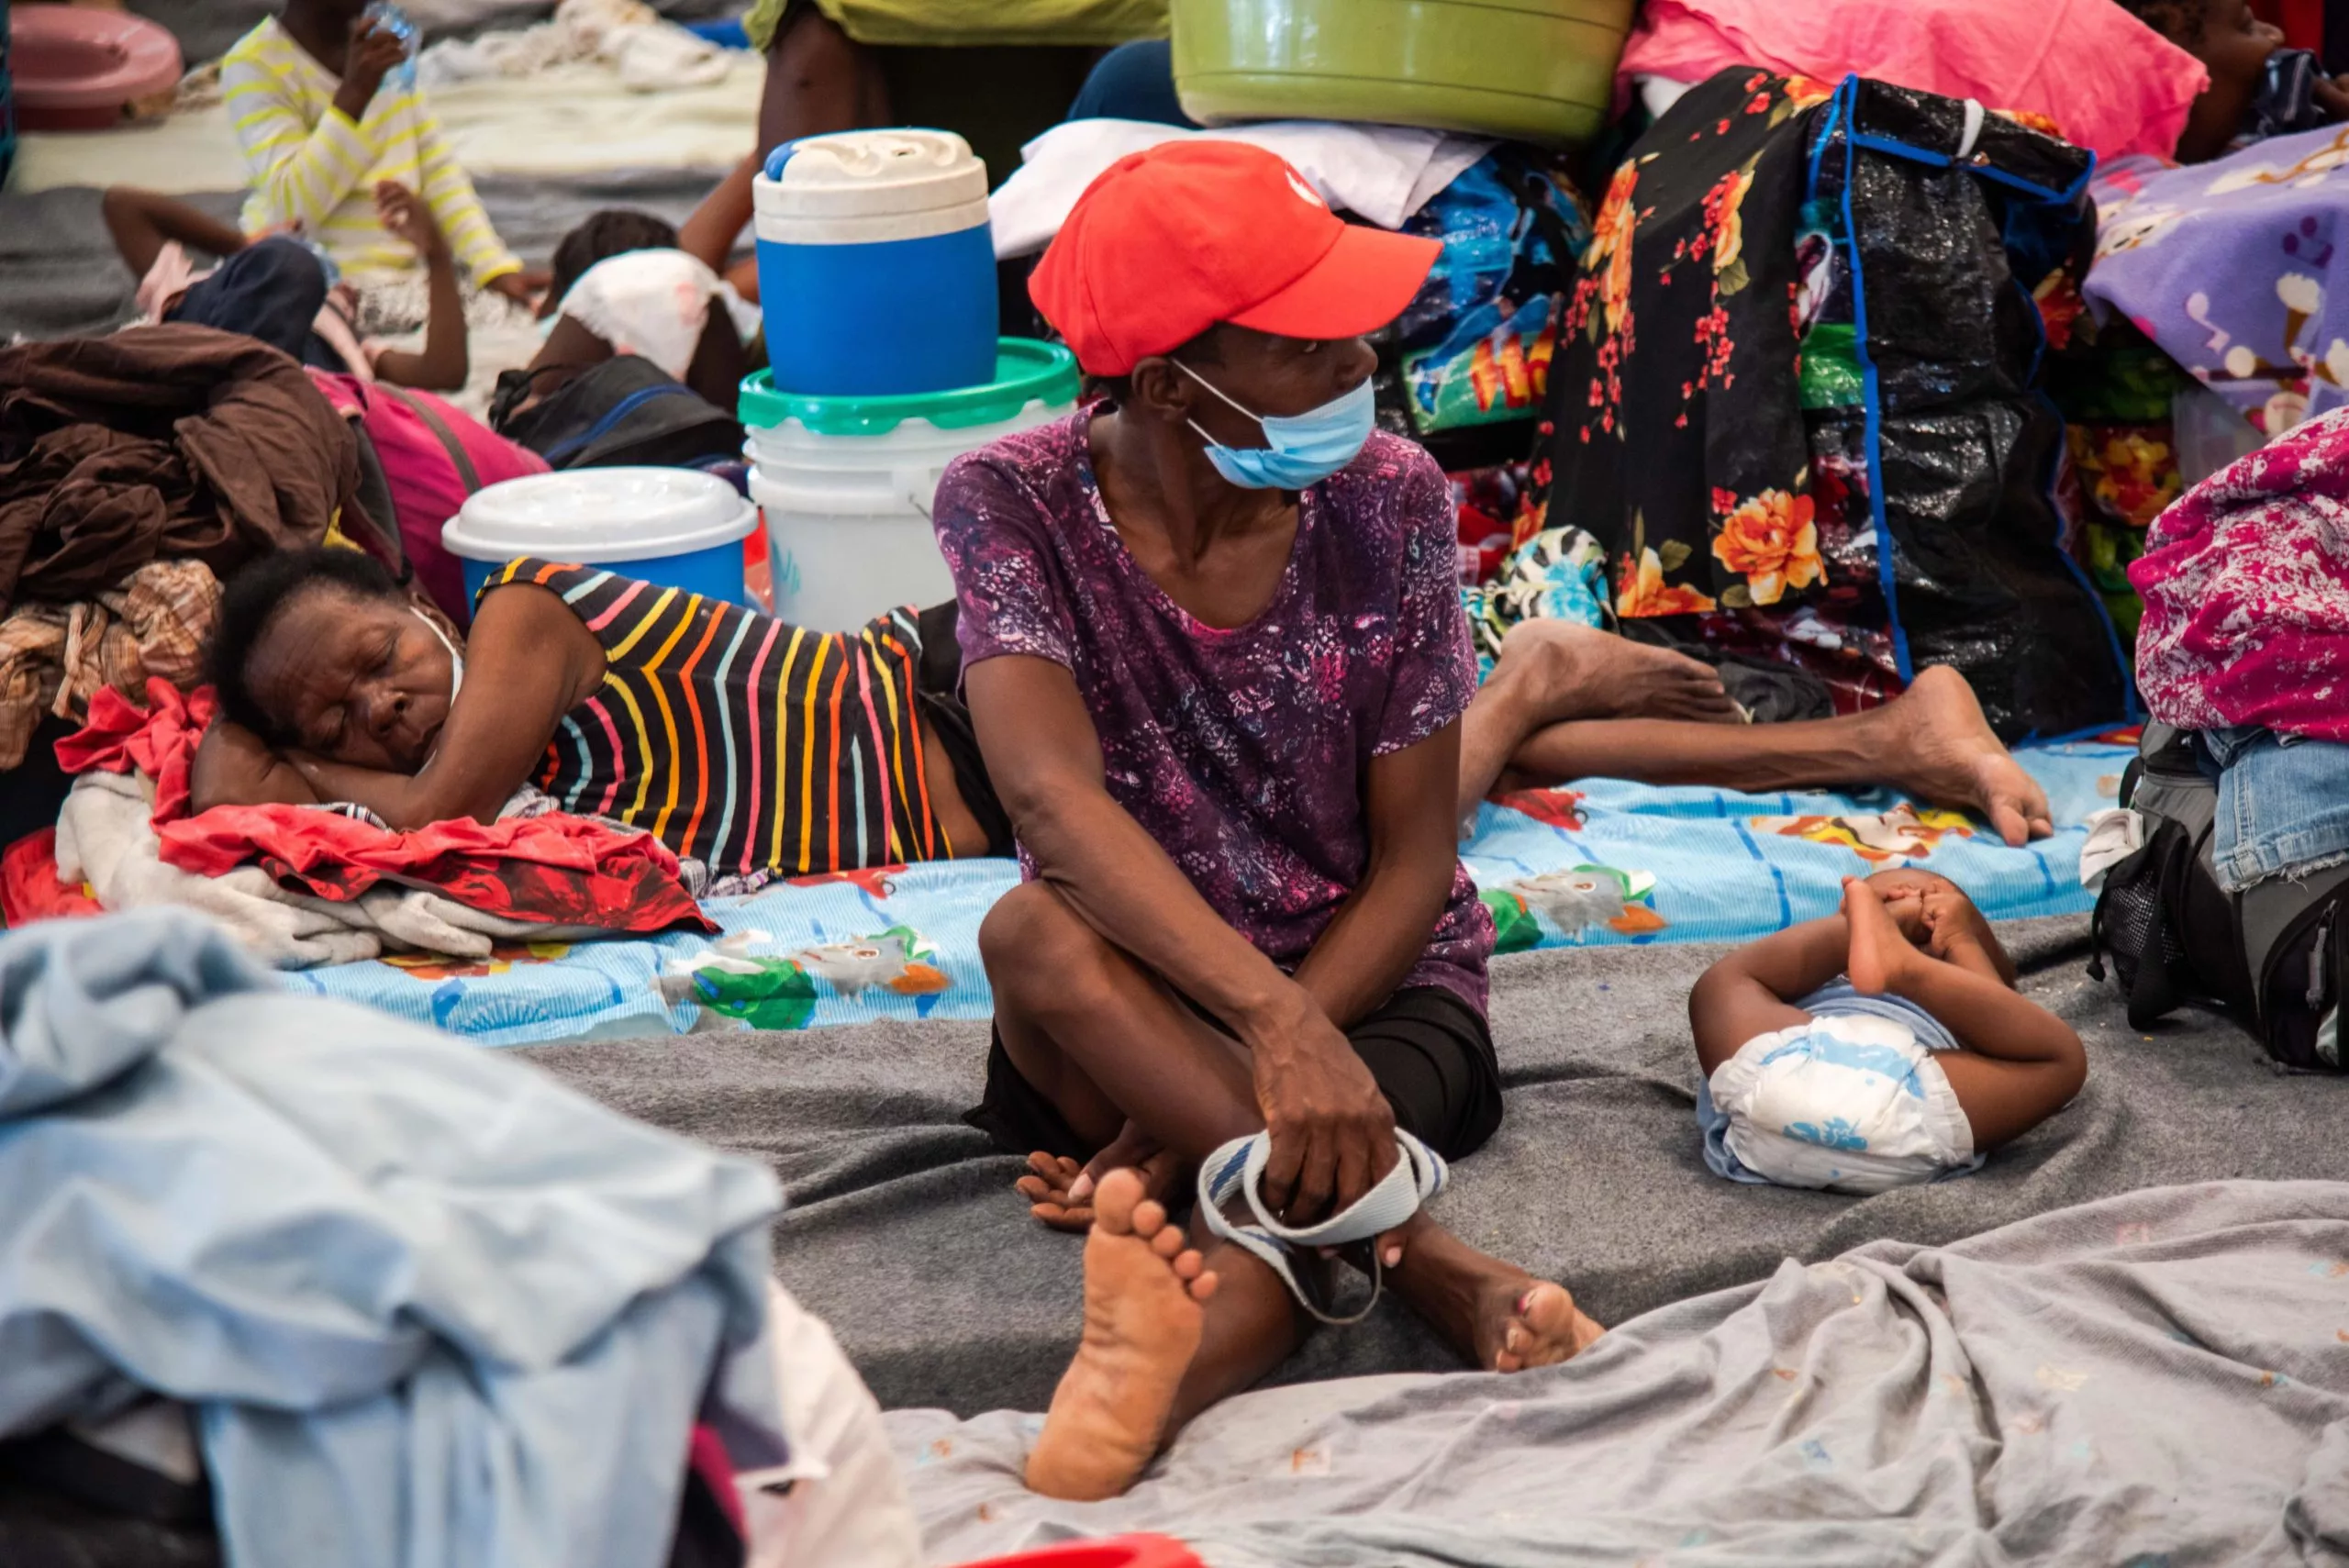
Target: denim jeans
<point x="2283" y="805"/>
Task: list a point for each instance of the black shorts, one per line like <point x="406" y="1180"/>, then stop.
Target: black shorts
<point x="1429" y="1051"/>
<point x="943" y="710"/>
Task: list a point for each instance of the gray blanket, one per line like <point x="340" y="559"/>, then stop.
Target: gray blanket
<point x="2157" y="1379"/>
<point x="905" y="1234"/>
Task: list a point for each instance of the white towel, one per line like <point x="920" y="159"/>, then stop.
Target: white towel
<point x="1383" y="173"/>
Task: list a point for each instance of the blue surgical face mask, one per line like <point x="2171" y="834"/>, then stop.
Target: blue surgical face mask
<point x="1304" y="449"/>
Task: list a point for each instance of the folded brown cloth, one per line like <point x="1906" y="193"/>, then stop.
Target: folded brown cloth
<point x="160" y="442"/>
<point x="55" y="658"/>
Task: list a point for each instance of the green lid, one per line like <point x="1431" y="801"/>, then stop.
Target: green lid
<point x="1025" y="370"/>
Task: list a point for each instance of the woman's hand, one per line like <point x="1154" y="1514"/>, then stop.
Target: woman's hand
<point x="1333" y="1130"/>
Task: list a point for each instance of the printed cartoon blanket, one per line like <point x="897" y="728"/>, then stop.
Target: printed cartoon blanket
<point x="1603" y="864"/>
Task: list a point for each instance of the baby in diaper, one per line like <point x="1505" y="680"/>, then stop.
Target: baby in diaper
<point x="1877" y="1048"/>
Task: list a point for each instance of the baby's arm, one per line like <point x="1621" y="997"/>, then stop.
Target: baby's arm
<point x="1749" y="992"/>
<point x="2021" y="1063"/>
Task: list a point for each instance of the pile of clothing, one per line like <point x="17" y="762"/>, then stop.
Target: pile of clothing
<point x="135" y="470"/>
<point x="293" y="1282"/>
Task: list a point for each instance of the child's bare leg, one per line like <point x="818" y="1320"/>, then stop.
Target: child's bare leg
<point x="2021" y="1063"/>
<point x="142" y="222"/>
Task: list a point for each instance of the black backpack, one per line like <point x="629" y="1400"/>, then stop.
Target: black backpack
<point x="626" y="411"/>
<point x="2270" y="957"/>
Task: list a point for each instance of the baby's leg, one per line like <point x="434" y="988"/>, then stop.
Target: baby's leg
<point x="2021" y="1063"/>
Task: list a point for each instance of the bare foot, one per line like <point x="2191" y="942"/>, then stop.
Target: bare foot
<point x="1059" y="1191"/>
<point x="1946" y="753"/>
<point x="1880" y="956"/>
<point x="1144" y="1293"/>
<point x="1563" y="670"/>
<point x="1536" y="1325"/>
<point x="1495" y="1314"/>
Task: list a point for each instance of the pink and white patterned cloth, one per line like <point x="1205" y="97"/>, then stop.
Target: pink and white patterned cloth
<point x="2246" y="588"/>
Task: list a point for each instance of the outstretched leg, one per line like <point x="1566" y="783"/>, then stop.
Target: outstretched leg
<point x="1144" y="1312"/>
<point x="1552" y="672"/>
<point x="1931" y="742"/>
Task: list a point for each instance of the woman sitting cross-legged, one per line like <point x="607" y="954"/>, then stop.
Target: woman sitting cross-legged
<point x="1218" y="664"/>
<point x="737" y="740"/>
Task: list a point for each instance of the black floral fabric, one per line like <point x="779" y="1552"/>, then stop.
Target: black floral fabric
<point x="1796" y="297"/>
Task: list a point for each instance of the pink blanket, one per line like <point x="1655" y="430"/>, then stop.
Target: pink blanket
<point x="2111" y="84"/>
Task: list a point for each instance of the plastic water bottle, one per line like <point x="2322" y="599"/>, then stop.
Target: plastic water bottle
<point x="394" y="21"/>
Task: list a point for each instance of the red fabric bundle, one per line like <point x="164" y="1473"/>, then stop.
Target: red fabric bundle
<point x="557" y="869"/>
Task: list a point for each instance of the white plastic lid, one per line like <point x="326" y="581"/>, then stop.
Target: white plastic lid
<point x="595" y="514"/>
<point x="860" y="173"/>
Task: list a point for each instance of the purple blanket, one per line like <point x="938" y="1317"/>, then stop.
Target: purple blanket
<point x="2239" y="270"/>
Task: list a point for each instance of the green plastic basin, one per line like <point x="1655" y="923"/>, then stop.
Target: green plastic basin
<point x="1529" y="69"/>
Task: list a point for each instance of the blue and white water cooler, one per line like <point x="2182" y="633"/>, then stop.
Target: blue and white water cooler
<point x="876" y="266"/>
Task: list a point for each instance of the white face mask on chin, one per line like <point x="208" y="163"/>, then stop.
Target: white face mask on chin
<point x="456" y="660"/>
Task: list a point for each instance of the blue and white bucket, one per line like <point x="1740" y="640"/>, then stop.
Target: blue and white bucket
<point x="876" y="265"/>
<point x="672" y="527"/>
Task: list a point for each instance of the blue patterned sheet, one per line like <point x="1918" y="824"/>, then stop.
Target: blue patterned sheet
<point x="1602" y="863"/>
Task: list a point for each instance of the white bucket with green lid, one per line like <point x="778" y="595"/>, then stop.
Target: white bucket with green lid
<point x="847" y="483"/>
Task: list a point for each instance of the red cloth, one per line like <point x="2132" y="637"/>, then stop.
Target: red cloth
<point x="29" y="889"/>
<point x="157" y="740"/>
<point x="557" y="869"/>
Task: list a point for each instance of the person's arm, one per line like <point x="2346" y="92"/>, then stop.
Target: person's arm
<point x="1382" y="928"/>
<point x="443" y="363"/>
<point x="300" y="174"/>
<point x="1332" y="1131"/>
<point x="143" y="222"/>
<point x="717" y="372"/>
<point x="449" y="193"/>
<point x="2018" y="1064"/>
<point x="527" y="661"/>
<point x="1751" y="991"/>
<point x="709" y="232"/>
<point x="235" y="767"/>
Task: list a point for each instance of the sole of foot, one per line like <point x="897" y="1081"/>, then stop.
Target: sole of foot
<point x="1145" y="1295"/>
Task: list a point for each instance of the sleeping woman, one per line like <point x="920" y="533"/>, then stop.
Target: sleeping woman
<point x="735" y="738"/>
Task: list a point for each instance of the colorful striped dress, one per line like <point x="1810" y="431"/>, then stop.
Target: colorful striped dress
<point x="739" y="739"/>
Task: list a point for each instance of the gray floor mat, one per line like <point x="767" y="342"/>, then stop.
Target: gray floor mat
<point x="905" y="1234"/>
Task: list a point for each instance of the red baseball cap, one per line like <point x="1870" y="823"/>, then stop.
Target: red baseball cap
<point x="1171" y="241"/>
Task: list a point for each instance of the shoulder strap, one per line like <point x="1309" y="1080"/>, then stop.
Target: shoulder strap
<point x="440" y="429"/>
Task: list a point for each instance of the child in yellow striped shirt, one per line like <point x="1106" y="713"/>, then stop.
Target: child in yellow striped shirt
<point x="323" y="119"/>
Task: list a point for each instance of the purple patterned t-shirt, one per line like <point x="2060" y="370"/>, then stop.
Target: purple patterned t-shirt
<point x="1242" y="752"/>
